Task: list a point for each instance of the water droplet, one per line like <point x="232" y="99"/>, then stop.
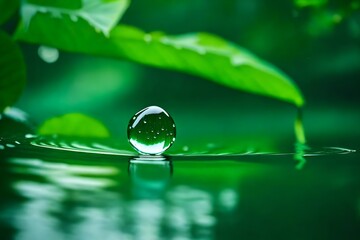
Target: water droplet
<point x="55" y="14"/>
<point x="185" y="148"/>
<point x="73" y="18"/>
<point x="30" y="136"/>
<point x="147" y="38"/>
<point x="237" y="60"/>
<point x="48" y="54"/>
<point x="201" y="51"/>
<point x="211" y="145"/>
<point x="153" y="141"/>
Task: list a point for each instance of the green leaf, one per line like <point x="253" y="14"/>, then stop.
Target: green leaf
<point x="7" y="9"/>
<point x="102" y="15"/>
<point x="199" y="54"/>
<point x="12" y="71"/>
<point x="74" y="124"/>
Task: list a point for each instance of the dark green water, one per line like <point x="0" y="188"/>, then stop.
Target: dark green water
<point x="50" y="191"/>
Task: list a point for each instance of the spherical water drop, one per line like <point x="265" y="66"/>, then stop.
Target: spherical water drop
<point x="48" y="54"/>
<point x="185" y="148"/>
<point x="154" y="123"/>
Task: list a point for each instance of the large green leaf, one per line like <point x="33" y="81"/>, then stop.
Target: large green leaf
<point x="7" y="9"/>
<point x="12" y="71"/>
<point x="200" y="54"/>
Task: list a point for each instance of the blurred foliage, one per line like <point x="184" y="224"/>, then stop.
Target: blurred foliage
<point x="74" y="124"/>
<point x="12" y="71"/>
<point x="316" y="42"/>
<point x="312" y="3"/>
<point x="15" y="123"/>
<point x="325" y="15"/>
<point x="7" y="9"/>
<point x="61" y="25"/>
<point x="200" y="54"/>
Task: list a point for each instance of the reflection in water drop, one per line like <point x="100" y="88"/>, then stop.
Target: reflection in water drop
<point x="48" y="54"/>
<point x="151" y="131"/>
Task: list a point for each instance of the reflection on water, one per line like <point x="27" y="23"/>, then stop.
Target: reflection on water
<point x="134" y="200"/>
<point x="71" y="190"/>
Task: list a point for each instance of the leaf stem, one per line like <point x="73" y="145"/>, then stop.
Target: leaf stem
<point x="299" y="128"/>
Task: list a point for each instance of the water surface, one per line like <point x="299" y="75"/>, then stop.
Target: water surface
<point x="66" y="189"/>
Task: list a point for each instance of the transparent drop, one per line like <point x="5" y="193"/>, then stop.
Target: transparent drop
<point x="151" y="122"/>
<point x="48" y="54"/>
<point x="74" y="18"/>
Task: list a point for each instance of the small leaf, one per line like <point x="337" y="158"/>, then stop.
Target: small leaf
<point x="7" y="9"/>
<point x="199" y="54"/>
<point x="74" y="124"/>
<point x="12" y="71"/>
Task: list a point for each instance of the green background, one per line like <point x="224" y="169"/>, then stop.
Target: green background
<point x="67" y="195"/>
<point x="321" y="55"/>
